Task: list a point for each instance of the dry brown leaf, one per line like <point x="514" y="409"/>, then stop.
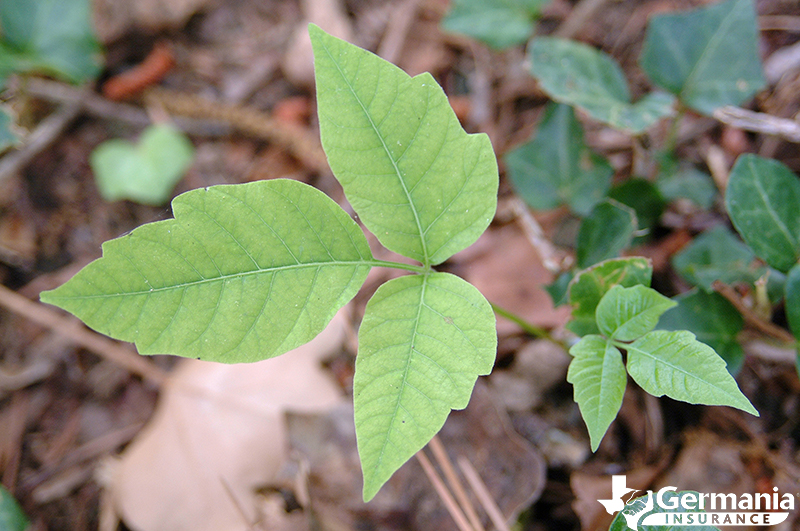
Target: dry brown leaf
<point x="219" y="433"/>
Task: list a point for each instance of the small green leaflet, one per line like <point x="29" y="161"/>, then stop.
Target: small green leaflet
<point x="605" y="233"/>
<point x="644" y="198"/>
<point x="708" y="56"/>
<point x="146" y="172"/>
<point x="716" y="254"/>
<point x="417" y="180"/>
<point x="423" y="342"/>
<point x="498" y="23"/>
<point x="589" y="286"/>
<point x="577" y="74"/>
<point x="598" y="376"/>
<point x="556" y="167"/>
<point x="763" y="202"/>
<point x="688" y="183"/>
<point x="8" y="137"/>
<point x="793" y="300"/>
<point x="49" y="36"/>
<point x="11" y="516"/>
<point x="243" y="273"/>
<point x="662" y="363"/>
<point x="677" y="365"/>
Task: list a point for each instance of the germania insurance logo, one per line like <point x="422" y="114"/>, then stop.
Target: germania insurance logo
<point x="683" y="508"/>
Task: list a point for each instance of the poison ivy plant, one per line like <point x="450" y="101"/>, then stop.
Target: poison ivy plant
<point x="604" y="233"/>
<point x="556" y="167"/>
<point x="579" y="75"/>
<point x="246" y="272"/>
<point x="708" y="57"/>
<point x="146" y="172"/>
<point x="661" y="362"/>
<point x="49" y="36"/>
<point x="498" y="23"/>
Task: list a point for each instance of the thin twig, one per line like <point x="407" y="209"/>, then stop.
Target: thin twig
<point x="441" y="457"/>
<point x="482" y="493"/>
<point x="578" y="17"/>
<point x="45" y="134"/>
<point x="447" y="498"/>
<point x="759" y="122"/>
<point x="78" y="334"/>
<point x="749" y="315"/>
<point x="552" y="260"/>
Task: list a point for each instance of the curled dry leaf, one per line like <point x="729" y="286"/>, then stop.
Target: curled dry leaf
<point x="219" y="433"/>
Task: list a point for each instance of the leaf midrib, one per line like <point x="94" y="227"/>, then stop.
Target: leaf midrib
<point x="426" y="259"/>
<point x="222" y="278"/>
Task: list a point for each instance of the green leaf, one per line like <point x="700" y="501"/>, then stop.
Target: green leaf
<point x="579" y="75"/>
<point x="793" y="300"/>
<point x="677" y="365"/>
<point x="589" y="286"/>
<point x="716" y="254"/>
<point x="598" y="376"/>
<point x="422" y="185"/>
<point x="688" y="183"/>
<point x="11" y="516"/>
<point x="713" y="320"/>
<point x="763" y="202"/>
<point x="423" y="342"/>
<point x="605" y="233"/>
<point x="8" y="137"/>
<point x="643" y="198"/>
<point x="53" y="36"/>
<point x="145" y="173"/>
<point x="708" y="57"/>
<point x="559" y="288"/>
<point x="556" y="167"/>
<point x="244" y="272"/>
<point x="625" y="314"/>
<point x="498" y="23"/>
<point x="649" y="515"/>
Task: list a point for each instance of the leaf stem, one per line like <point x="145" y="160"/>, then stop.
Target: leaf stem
<point x="527" y="327"/>
<point x="399" y="265"/>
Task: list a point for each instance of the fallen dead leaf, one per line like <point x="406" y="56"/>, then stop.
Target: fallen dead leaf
<point x="218" y="434"/>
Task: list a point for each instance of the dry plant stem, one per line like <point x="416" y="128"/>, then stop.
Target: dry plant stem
<point x="578" y="17"/>
<point x="45" y="134"/>
<point x="779" y="23"/>
<point x="444" y="494"/>
<point x="78" y="334"/>
<point x="247" y="120"/>
<point x="759" y="122"/>
<point x="400" y="22"/>
<point x="749" y="315"/>
<point x="441" y="457"/>
<point x="546" y="251"/>
<point x="483" y="495"/>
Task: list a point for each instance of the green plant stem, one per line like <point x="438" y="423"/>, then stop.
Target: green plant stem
<point x="399" y="265"/>
<point x="527" y="327"/>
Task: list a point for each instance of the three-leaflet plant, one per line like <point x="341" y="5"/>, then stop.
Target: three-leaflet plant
<point x="249" y="271"/>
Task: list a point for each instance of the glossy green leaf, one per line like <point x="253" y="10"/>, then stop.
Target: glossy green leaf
<point x="556" y="167"/>
<point x="243" y="273"/>
<point x="498" y="23"/>
<point x="644" y="514"/>
<point x="716" y="254"/>
<point x="589" y="286"/>
<point x="713" y="320"/>
<point x="577" y="74"/>
<point x="625" y="314"/>
<point x="643" y="198"/>
<point x="423" y="343"/>
<point x="708" y="57"/>
<point x="422" y="185"/>
<point x="763" y="202"/>
<point x="688" y="183"/>
<point x="11" y="516"/>
<point x="793" y="300"/>
<point x="598" y="376"/>
<point x="605" y="233"/>
<point x="51" y="36"/>
<point x="677" y="365"/>
<point x="146" y="172"/>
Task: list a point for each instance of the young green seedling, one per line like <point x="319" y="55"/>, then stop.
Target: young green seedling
<point x="247" y="272"/>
